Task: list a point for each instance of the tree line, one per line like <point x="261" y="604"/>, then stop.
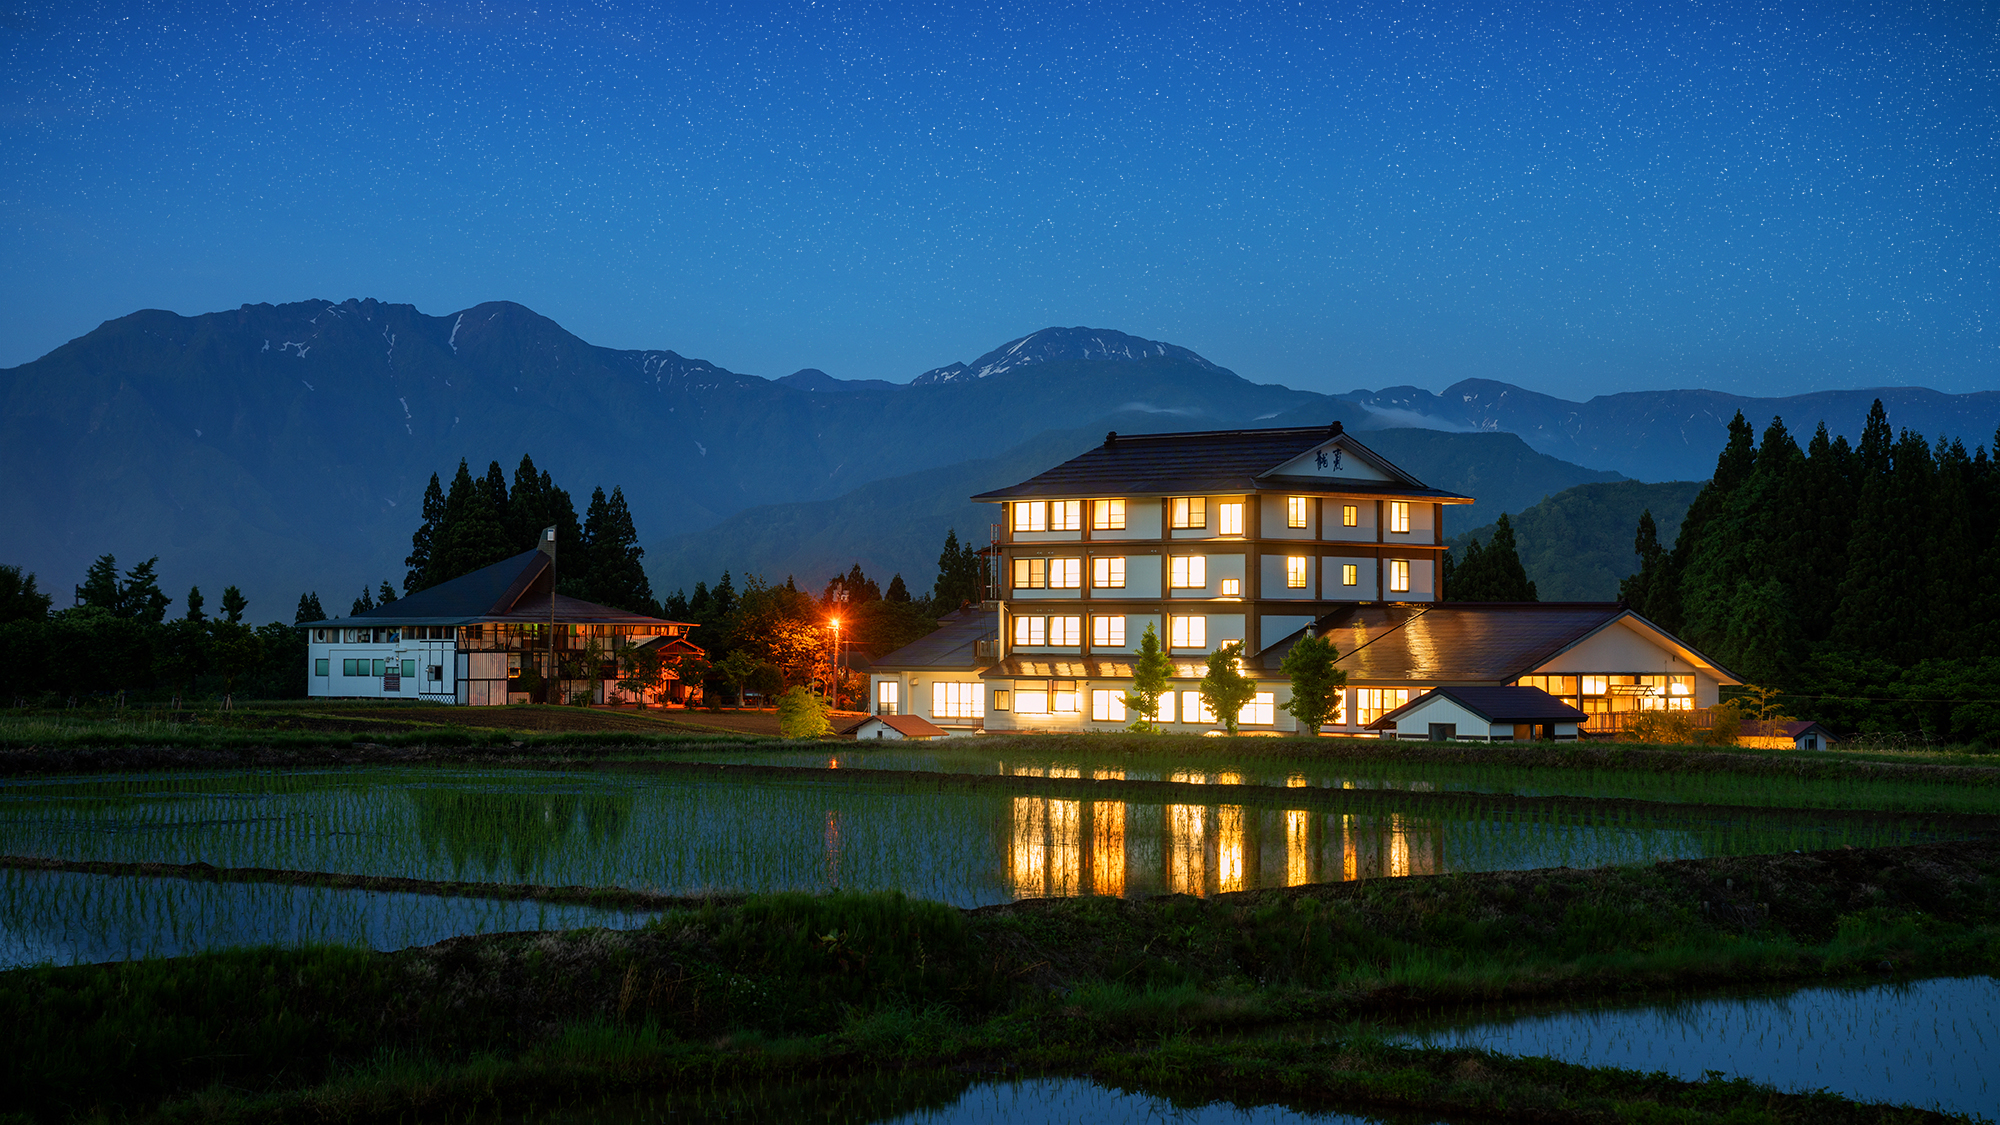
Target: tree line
<point x="481" y="521"/>
<point x="119" y="641"/>
<point x="1863" y="581"/>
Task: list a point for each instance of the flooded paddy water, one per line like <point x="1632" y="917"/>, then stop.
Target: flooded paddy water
<point x="1934" y="1044"/>
<point x="683" y="832"/>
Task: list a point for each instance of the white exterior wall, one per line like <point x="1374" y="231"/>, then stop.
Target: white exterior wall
<point x="1627" y="648"/>
<point x="1364" y="515"/>
<point x="1275" y="570"/>
<point x="1364" y="573"/>
<point x="1142" y="521"/>
<point x="1276" y="511"/>
<point x="424" y="655"/>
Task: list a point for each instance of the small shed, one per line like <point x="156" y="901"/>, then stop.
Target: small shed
<point x="1481" y="714"/>
<point x="912" y="727"/>
<point x="1798" y="734"/>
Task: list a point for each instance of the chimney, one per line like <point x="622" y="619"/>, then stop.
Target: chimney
<point x="1334" y="430"/>
<point x="1111" y="439"/>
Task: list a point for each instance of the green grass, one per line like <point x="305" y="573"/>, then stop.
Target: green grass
<point x="846" y="984"/>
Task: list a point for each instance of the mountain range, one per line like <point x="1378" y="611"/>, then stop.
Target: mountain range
<point x="285" y="448"/>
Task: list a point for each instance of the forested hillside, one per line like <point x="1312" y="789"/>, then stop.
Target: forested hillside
<point x="1577" y="544"/>
<point x="1861" y="580"/>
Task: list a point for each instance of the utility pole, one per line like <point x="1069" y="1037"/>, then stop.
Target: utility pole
<point x="548" y="547"/>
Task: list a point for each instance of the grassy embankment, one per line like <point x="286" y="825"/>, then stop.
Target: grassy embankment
<point x="770" y="990"/>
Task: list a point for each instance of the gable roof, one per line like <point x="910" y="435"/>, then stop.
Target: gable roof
<point x="1494" y="704"/>
<point x="953" y="645"/>
<point x="511" y="590"/>
<point x="1467" y="642"/>
<point x="909" y="726"/>
<point x="1215" y="461"/>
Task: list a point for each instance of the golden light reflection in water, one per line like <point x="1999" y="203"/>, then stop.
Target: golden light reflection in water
<point x="1228" y="849"/>
<point x="1059" y="847"/>
<point x="1298" y="847"/>
<point x="1187" y="849"/>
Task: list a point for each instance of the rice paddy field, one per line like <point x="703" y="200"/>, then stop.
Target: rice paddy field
<point x="243" y="859"/>
<point x="702" y="832"/>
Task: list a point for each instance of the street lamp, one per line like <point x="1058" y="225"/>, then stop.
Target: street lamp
<point x="836" y="663"/>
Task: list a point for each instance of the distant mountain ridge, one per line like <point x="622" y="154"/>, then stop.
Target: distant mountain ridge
<point x="1671" y="435"/>
<point x="285" y="448"/>
<point x="1055" y="345"/>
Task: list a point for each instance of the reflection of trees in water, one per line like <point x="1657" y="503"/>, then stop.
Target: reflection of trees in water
<point x="517" y="831"/>
<point x="1058" y="847"/>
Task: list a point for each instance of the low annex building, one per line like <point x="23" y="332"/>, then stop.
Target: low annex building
<point x="1482" y="714"/>
<point x="1254" y="536"/>
<point x="469" y="641"/>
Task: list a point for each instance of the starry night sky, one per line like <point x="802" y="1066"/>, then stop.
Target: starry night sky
<point x="1577" y="198"/>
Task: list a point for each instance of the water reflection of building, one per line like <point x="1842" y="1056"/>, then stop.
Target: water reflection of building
<point x="1060" y="847"/>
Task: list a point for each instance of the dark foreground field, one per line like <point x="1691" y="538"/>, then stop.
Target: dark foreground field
<point x="795" y="988"/>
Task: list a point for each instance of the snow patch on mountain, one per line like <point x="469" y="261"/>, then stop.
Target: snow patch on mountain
<point x="1056" y="345"/>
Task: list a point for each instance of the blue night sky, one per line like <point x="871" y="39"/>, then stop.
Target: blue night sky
<point x="1577" y="198"/>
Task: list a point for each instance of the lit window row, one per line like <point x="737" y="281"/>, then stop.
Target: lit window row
<point x="1184" y="513"/>
<point x="1186" y="572"/>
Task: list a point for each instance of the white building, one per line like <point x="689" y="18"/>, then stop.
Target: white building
<point x="1482" y="714"/>
<point x="1253" y="536"/>
<point x="469" y="641"/>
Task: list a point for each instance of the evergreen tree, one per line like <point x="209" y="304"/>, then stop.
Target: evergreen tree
<point x="1151" y="674"/>
<point x="1316" y="683"/>
<point x="854" y="588"/>
<point x="1951" y="552"/>
<point x="362" y="604"/>
<point x="1492" y="573"/>
<point x="897" y="591"/>
<point x="141" y="599"/>
<point x="1732" y="468"/>
<point x="1881" y="597"/>
<point x="423" y="542"/>
<point x="1820" y="561"/>
<point x="309" y="609"/>
<point x="616" y="577"/>
<point x="721" y="600"/>
<point x="1740" y="571"/>
<point x="469" y="535"/>
<point x="527" y="508"/>
<point x="101" y="588"/>
<point x="1225" y="688"/>
<point x="494" y="485"/>
<point x="19" y="600"/>
<point x="675" y="608"/>
<point x="961" y="575"/>
<point x="233" y="604"/>
<point x="194" y="604"/>
<point x="1636" y="590"/>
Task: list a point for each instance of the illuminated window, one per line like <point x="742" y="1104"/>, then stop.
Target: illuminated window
<point x="1003" y="698"/>
<point x="1107" y="574"/>
<point x="1399" y="575"/>
<point x="1596" y="685"/>
<point x="1399" y="515"/>
<point x="1107" y="706"/>
<point x="1065" y="515"/>
<point x="1031" y="701"/>
<point x="956" y="701"/>
<point x="888" y="696"/>
<point x="1107" y="515"/>
<point x="1295" y="572"/>
<point x="1232" y="588"/>
<point x="1065" y="574"/>
<point x="1031" y="574"/>
<point x="1065" y="630"/>
<point x="1190" y="512"/>
<point x="1229" y="518"/>
<point x="1295" y="511"/>
<point x="1261" y="711"/>
<point x="1190" y="572"/>
<point x="1031" y="515"/>
<point x="1063" y="697"/>
<point x="1167" y="707"/>
<point x="1190" y="632"/>
<point x="1107" y="631"/>
<point x="1350" y="575"/>
<point x="1031" y="630"/>
<point x="1371" y="704"/>
<point x="1193" y="710"/>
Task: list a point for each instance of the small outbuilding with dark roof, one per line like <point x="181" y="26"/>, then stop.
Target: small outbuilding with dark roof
<point x="1481" y="714"/>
